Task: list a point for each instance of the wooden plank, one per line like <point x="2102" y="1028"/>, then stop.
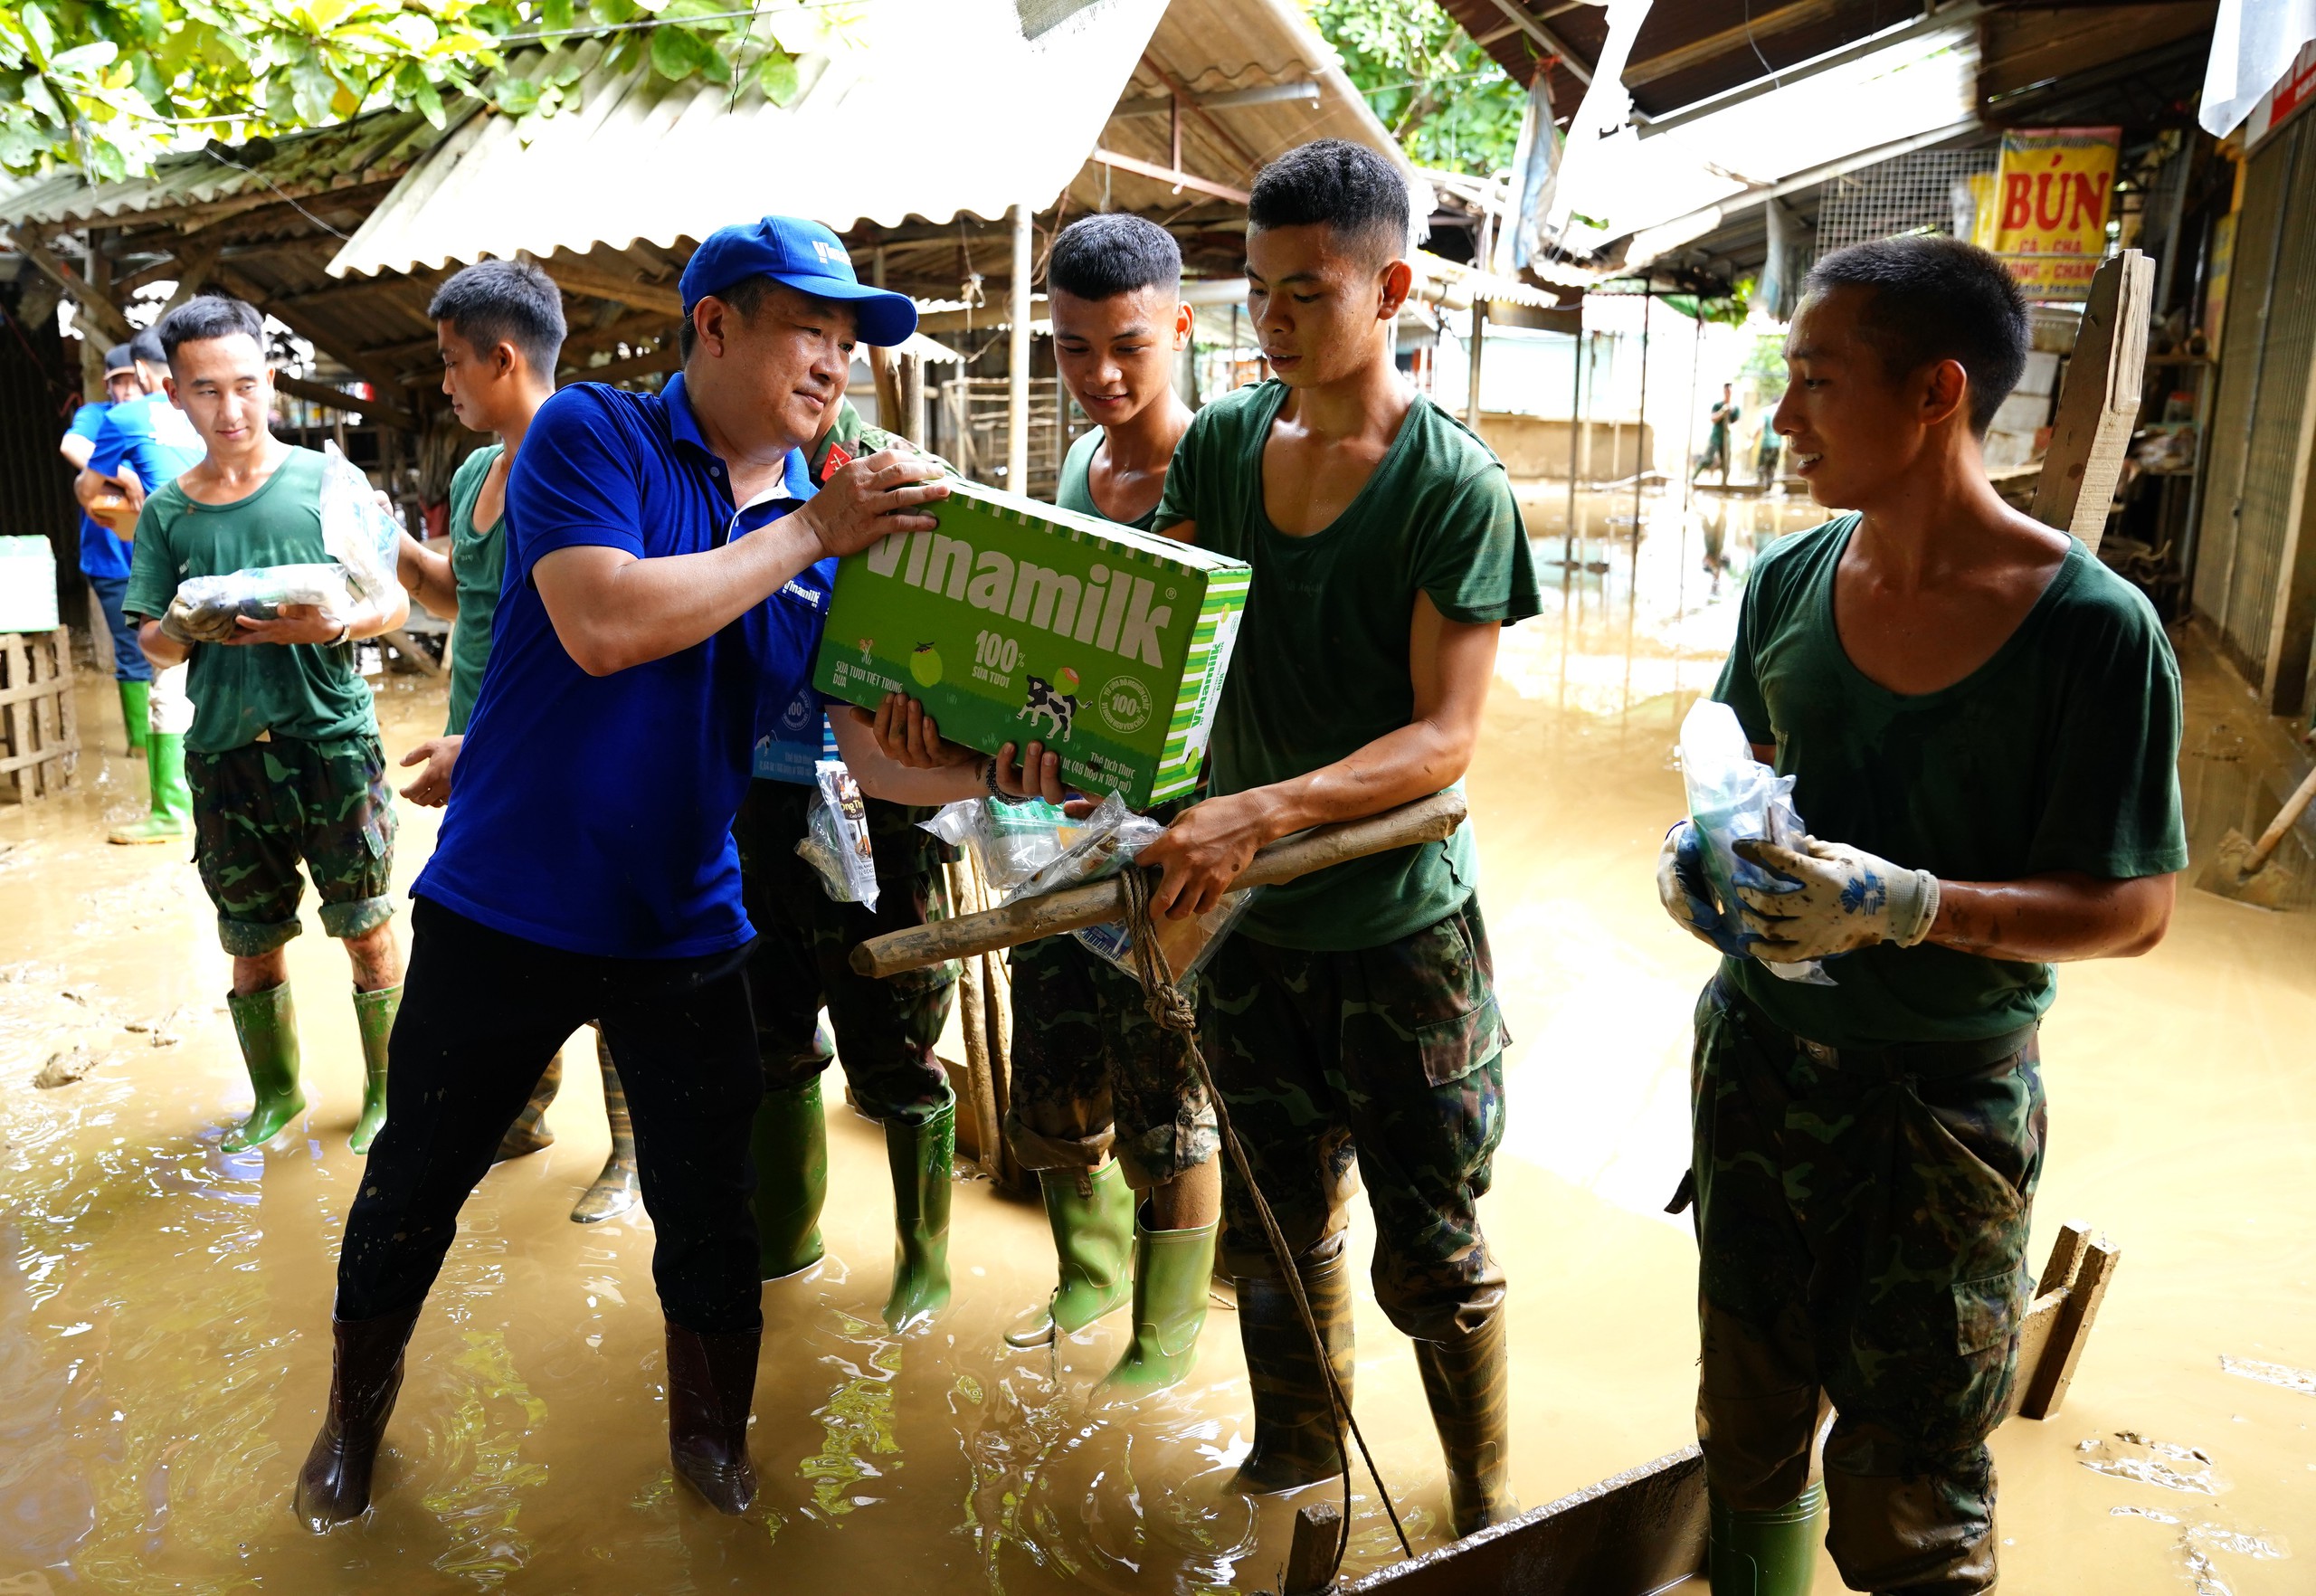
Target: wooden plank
<point x="1317" y="1550"/>
<point x="2070" y="1329"/>
<point x="581" y="277"/>
<point x="95" y="305"/>
<point x="40" y="744"/>
<point x="1141" y="168"/>
<point x="1766" y="24"/>
<point x="2018" y="49"/>
<point x="1638" y="1532"/>
<point x="2099" y="402"/>
<point x="2292" y="625"/>
<point x="329" y="398"/>
<point x="972" y="1019"/>
<point x="669" y="358"/>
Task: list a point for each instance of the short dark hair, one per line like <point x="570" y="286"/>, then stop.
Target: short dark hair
<point x="147" y="346"/>
<point x="1936" y="299"/>
<point x="746" y="297"/>
<point x="1102" y="257"/>
<point x="492" y="302"/>
<point x="1348" y="186"/>
<point x="209" y="316"/>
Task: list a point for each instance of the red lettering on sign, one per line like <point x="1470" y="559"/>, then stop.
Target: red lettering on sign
<point x="2018" y="200"/>
<point x="2048" y="215"/>
<point x="2087" y="199"/>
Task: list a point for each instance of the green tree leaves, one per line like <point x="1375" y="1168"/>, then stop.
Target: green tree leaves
<point x="1447" y="102"/>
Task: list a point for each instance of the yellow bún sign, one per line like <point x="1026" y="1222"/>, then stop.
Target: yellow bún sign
<point x="2051" y="197"/>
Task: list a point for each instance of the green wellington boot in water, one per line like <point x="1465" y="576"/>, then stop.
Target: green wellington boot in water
<point x="1771" y="1554"/>
<point x="1092" y="1215"/>
<point x="1171" y="1272"/>
<point x="267" y="1026"/>
<point x="1466" y="1381"/>
<point x="136" y="715"/>
<point x="172" y="815"/>
<point x="921" y="1157"/>
<point x="790" y="1149"/>
<point x="374" y="1012"/>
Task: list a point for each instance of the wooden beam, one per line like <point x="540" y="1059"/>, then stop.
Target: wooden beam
<point x="293" y="316"/>
<point x="577" y="278"/>
<point x="1125" y="163"/>
<point x="1571" y="62"/>
<point x="664" y="359"/>
<point x="2292" y="624"/>
<point x="986" y="319"/>
<point x="329" y="398"/>
<point x="101" y="313"/>
<point x="2044" y="1385"/>
<point x="193" y="266"/>
<point x="1316" y="1551"/>
<point x="1185" y="100"/>
<point x="2099" y="401"/>
<point x="2018" y="49"/>
<point x="1697" y="52"/>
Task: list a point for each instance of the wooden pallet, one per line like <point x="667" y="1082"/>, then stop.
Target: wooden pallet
<point x="40" y="738"/>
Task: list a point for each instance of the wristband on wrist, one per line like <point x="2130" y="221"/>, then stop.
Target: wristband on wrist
<point x="988" y="780"/>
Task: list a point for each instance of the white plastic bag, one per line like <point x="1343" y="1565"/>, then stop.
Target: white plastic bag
<point x="357" y="531"/>
<point x="205" y="608"/>
<point x="1734" y="798"/>
<point x="836" y="837"/>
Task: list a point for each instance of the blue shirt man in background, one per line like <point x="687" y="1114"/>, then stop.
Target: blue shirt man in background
<point x="143" y="444"/>
<point x="104" y="557"/>
<point x="660" y="581"/>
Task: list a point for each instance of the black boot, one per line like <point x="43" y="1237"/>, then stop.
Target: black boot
<point x="365" y="1373"/>
<point x="1465" y="1381"/>
<point x="711" y="1383"/>
<point x="1295" y="1431"/>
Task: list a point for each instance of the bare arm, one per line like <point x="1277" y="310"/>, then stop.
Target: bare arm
<point x="1451" y="662"/>
<point x="613" y="610"/>
<point x="307" y="623"/>
<point x="2050" y="918"/>
<point x="159" y="646"/>
<point x="77" y="450"/>
<point x="425" y="575"/>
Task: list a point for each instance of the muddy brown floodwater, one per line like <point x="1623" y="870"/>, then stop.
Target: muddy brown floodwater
<point x="164" y="1306"/>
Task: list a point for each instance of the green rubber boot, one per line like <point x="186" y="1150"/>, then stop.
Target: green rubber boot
<point x="266" y="1023"/>
<point x="1771" y="1554"/>
<point x="1171" y="1272"/>
<point x="1092" y="1215"/>
<point x="171" y="815"/>
<point x="790" y="1149"/>
<point x="137" y="714"/>
<point x="921" y="1157"/>
<point x="374" y="1012"/>
<point x="1466" y="1382"/>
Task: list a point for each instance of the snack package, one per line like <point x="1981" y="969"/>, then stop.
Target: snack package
<point x="836" y="838"/>
<point x="1106" y="841"/>
<point x="206" y="607"/>
<point x="1187" y="944"/>
<point x="1734" y="798"/>
<point x="1010" y="842"/>
<point x="357" y="531"/>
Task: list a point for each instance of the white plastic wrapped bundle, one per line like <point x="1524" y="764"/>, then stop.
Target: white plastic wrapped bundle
<point x="357" y="531"/>
<point x="205" y="608"/>
<point x="1734" y="798"/>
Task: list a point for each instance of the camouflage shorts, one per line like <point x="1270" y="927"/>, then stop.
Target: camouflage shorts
<point x="802" y="960"/>
<point x="1862" y="1226"/>
<point x="1093" y="1073"/>
<point x="1388" y="1059"/>
<point x="259" y="809"/>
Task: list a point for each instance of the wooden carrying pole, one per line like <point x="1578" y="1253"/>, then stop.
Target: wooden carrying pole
<point x="1427" y="819"/>
<point x="2099" y="402"/>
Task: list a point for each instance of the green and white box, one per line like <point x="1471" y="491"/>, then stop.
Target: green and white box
<point x="1015" y="621"/>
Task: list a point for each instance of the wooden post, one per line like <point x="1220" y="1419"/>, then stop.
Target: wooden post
<point x="1479" y="342"/>
<point x="2046" y="1384"/>
<point x="884" y="371"/>
<point x="2292" y="624"/>
<point x="910" y="422"/>
<point x="1316" y="1551"/>
<point x="1017" y="367"/>
<point x="2099" y="402"/>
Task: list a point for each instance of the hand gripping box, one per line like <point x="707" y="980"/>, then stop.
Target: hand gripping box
<point x="1015" y="621"/>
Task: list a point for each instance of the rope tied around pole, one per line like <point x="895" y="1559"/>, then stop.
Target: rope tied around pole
<point x="1171" y="1009"/>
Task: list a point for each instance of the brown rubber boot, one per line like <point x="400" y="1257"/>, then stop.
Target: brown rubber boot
<point x="1466" y="1382"/>
<point x="711" y="1385"/>
<point x="529" y="1134"/>
<point x="365" y="1373"/>
<point x="616" y="1188"/>
<point x="1295" y="1433"/>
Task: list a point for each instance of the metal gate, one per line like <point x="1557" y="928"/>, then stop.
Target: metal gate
<point x="2268" y="350"/>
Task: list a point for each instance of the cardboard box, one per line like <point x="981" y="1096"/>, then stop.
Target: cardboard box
<point x="1017" y="621"/>
<point x="27" y="585"/>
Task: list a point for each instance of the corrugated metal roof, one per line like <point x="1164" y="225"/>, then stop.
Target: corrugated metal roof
<point x="930" y="108"/>
<point x="373" y="148"/>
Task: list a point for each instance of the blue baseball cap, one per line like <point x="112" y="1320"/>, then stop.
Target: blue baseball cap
<point x="802" y="255"/>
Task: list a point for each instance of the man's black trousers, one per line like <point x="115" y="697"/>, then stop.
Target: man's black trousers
<point x="481" y="1014"/>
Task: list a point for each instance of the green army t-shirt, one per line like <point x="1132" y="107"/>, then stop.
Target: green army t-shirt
<point x="1321" y="666"/>
<point x="478" y="565"/>
<point x="2060" y="752"/>
<point x="307" y="690"/>
<point x="1076" y="491"/>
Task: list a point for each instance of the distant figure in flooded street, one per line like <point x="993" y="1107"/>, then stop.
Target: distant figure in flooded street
<point x="1983" y="724"/>
<point x="1722" y="416"/>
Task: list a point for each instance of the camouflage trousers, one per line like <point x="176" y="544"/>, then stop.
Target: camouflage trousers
<point x="1861" y="1219"/>
<point x="801" y="963"/>
<point x="259" y="809"/>
<point x="1093" y="1074"/>
<point x="1387" y="1060"/>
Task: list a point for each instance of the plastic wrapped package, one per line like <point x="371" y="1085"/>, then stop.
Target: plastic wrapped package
<point x="206" y="607"/>
<point x="1187" y="944"/>
<point x="357" y="531"/>
<point x="836" y="837"/>
<point x="1734" y="798"/>
<point x="1010" y="842"/>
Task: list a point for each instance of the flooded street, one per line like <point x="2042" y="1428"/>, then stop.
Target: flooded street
<point x="164" y="1306"/>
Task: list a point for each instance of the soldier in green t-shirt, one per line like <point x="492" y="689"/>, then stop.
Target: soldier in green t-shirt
<point x="283" y="757"/>
<point x="1982" y="723"/>
<point x="1351" y="1018"/>
<point x="499" y="326"/>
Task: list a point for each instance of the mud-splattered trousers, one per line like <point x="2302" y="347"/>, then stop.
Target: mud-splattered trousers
<point x="1861" y="1218"/>
<point x="259" y="809"/>
<point x="885" y="1029"/>
<point x="1387" y="1059"/>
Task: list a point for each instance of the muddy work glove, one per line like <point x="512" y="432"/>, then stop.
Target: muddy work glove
<point x="1831" y="898"/>
<point x="1688" y="896"/>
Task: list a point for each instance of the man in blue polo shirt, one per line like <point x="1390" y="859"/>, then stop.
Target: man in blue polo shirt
<point x="104" y="557"/>
<point x="660" y="578"/>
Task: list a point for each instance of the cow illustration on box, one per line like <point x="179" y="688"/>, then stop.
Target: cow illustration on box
<point x="1059" y="709"/>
